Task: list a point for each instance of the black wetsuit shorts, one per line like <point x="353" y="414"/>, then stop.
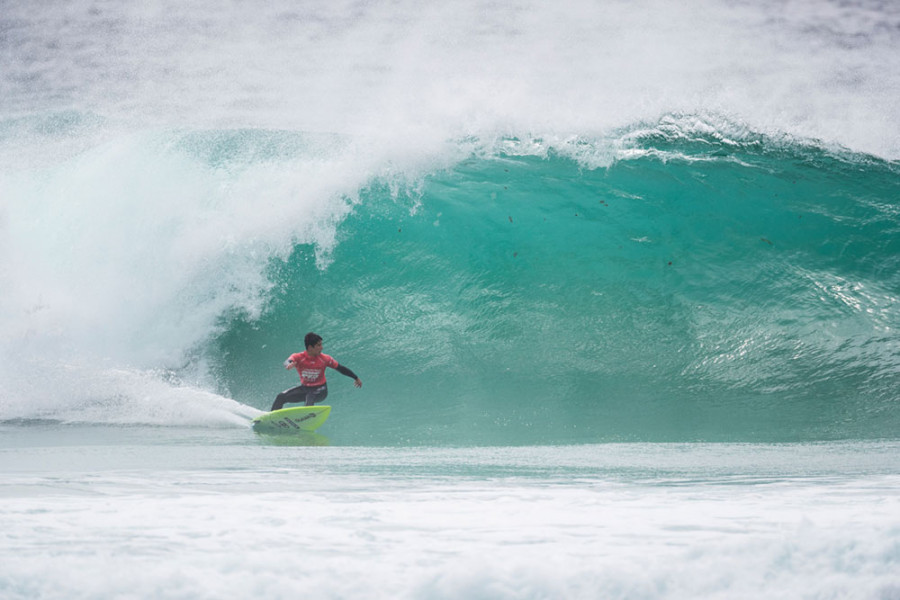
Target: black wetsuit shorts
<point x="312" y="394"/>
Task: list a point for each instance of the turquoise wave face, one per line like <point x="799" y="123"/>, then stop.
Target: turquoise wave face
<point x="699" y="290"/>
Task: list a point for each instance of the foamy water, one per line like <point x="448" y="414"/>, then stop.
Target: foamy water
<point x="177" y="519"/>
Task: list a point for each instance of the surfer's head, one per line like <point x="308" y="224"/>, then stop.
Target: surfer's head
<point x="312" y="339"/>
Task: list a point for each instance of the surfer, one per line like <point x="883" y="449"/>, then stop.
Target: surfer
<point x="310" y="366"/>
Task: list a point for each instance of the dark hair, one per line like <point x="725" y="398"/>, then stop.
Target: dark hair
<point x="312" y="339"/>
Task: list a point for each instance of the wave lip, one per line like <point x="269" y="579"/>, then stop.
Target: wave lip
<point x="815" y="70"/>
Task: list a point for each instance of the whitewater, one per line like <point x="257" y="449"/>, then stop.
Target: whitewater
<point x="622" y="282"/>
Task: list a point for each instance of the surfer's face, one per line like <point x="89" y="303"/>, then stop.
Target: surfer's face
<point x="314" y="350"/>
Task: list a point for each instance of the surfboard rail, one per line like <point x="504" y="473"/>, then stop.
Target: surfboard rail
<point x="298" y="418"/>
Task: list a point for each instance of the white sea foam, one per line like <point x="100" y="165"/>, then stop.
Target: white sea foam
<point x="242" y="522"/>
<point x="125" y="257"/>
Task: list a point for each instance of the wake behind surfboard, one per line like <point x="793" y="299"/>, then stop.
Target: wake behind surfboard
<point x="287" y="420"/>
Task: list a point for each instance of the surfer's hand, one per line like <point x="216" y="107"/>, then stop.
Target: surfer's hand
<point x="358" y="382"/>
<point x="288" y="364"/>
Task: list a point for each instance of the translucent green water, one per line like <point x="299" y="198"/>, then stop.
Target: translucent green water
<point x="700" y="289"/>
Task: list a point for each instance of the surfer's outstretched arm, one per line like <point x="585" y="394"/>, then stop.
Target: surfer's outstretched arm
<point x="345" y="371"/>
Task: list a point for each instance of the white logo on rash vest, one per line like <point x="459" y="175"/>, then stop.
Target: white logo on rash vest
<point x="310" y="374"/>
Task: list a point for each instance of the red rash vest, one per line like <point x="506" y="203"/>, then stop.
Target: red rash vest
<point x="312" y="370"/>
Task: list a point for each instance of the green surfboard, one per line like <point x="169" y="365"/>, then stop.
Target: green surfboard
<point x="296" y="419"/>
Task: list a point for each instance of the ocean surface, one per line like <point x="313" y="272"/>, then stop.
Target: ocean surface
<point x="621" y="281"/>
